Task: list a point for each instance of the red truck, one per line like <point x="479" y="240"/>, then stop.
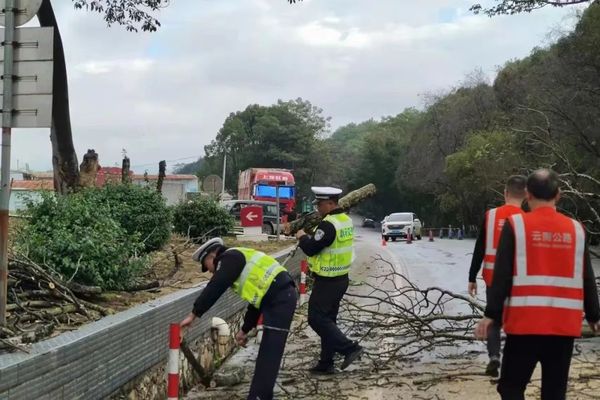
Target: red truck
<point x="261" y="184"/>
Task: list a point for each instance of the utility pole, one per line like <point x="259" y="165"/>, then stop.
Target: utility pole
<point x="224" y="171"/>
<point x="7" y="109"/>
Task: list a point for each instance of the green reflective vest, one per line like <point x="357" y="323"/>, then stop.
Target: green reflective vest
<point x="257" y="276"/>
<point x="336" y="259"/>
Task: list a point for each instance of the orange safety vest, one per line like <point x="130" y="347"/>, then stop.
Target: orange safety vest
<point x="547" y="291"/>
<point x="494" y="221"/>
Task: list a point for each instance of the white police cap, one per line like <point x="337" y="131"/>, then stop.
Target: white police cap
<point x="326" y="192"/>
<point x="206" y="248"/>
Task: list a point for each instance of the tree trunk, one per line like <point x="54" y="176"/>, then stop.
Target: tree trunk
<point x="89" y="170"/>
<point x="64" y="158"/>
<point x="162" y="172"/>
<point x="125" y="178"/>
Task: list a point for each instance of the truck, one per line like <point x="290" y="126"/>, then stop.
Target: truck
<point x="262" y="184"/>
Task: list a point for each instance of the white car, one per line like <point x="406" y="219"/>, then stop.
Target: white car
<point x="397" y="225"/>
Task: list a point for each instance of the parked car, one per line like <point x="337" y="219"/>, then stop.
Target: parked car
<point x="368" y="223"/>
<point x="270" y="213"/>
<point x="397" y="225"/>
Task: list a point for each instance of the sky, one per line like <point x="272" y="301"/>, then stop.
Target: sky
<point x="164" y="95"/>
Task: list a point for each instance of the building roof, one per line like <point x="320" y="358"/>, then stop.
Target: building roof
<point x="33" y="185"/>
<point x="42" y="175"/>
<point x="179" y="177"/>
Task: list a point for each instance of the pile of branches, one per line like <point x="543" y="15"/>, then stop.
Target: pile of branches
<point x="401" y="320"/>
<point x="40" y="304"/>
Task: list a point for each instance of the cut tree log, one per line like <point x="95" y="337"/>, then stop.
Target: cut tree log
<point x="84" y="290"/>
<point x="311" y="220"/>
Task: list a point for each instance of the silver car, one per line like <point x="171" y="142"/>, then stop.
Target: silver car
<point x="397" y="225"/>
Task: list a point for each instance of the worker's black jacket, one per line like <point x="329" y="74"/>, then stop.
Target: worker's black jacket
<point x="503" y="277"/>
<point x="230" y="265"/>
<point x="323" y="237"/>
<point x="478" y="254"/>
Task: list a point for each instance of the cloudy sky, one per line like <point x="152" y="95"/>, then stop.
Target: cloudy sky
<point x="164" y="95"/>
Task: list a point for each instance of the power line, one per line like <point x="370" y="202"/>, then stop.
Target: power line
<point x="169" y="161"/>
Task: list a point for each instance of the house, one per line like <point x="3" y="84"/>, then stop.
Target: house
<point x="175" y="188"/>
<point x="29" y="185"/>
<point x="23" y="190"/>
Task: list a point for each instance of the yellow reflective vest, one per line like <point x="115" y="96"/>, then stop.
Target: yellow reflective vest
<point x="256" y="277"/>
<point x="336" y="259"/>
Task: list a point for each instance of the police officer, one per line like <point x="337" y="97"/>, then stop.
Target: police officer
<point x="331" y="252"/>
<point x="268" y="288"/>
<point x="485" y="255"/>
<point x="543" y="283"/>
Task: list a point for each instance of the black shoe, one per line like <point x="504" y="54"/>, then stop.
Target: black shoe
<point x="492" y="368"/>
<point x="352" y="356"/>
<point x="322" y="369"/>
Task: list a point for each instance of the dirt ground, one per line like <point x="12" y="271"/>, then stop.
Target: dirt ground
<point x="174" y="277"/>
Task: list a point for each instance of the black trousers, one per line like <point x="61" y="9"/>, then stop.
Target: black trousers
<point x="323" y="308"/>
<point x="523" y="352"/>
<point x="494" y="341"/>
<point x="277" y="313"/>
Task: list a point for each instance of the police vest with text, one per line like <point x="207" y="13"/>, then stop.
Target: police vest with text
<point x="547" y="291"/>
<point x="256" y="277"/>
<point x="494" y="221"/>
<point x="336" y="259"/>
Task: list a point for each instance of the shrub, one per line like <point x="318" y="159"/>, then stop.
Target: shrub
<point x="79" y="238"/>
<point x="200" y="217"/>
<point x="139" y="210"/>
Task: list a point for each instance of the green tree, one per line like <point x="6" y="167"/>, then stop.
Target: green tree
<point x="193" y="168"/>
<point x="283" y="135"/>
<point x="520" y="6"/>
<point x="477" y="174"/>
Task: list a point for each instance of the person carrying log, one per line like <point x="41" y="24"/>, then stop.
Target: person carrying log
<point x="268" y="288"/>
<point x="330" y="254"/>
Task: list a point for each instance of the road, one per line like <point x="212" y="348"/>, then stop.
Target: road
<point x="453" y="373"/>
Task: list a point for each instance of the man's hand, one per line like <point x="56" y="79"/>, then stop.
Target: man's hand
<point x="300" y="233"/>
<point x="188" y="320"/>
<point x="241" y="338"/>
<point x="594" y="326"/>
<point x="473" y="289"/>
<point x="483" y="327"/>
<point x="186" y="324"/>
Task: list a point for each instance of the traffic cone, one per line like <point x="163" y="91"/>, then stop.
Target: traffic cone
<point x="409" y="237"/>
<point x="383" y="242"/>
<point x="431" y="235"/>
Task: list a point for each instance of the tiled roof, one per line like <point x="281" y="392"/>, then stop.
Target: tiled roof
<point x="33" y="185"/>
<point x="167" y="178"/>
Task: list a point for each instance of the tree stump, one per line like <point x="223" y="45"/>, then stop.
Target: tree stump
<point x="89" y="169"/>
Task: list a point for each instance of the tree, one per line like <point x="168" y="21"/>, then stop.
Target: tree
<point x="283" y="135"/>
<point x="520" y="6"/>
<point x="477" y="174"/>
<point x="190" y="168"/>
<point x="134" y="15"/>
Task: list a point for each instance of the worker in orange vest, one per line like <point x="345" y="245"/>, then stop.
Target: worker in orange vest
<point x="543" y="283"/>
<point x="485" y="255"/>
